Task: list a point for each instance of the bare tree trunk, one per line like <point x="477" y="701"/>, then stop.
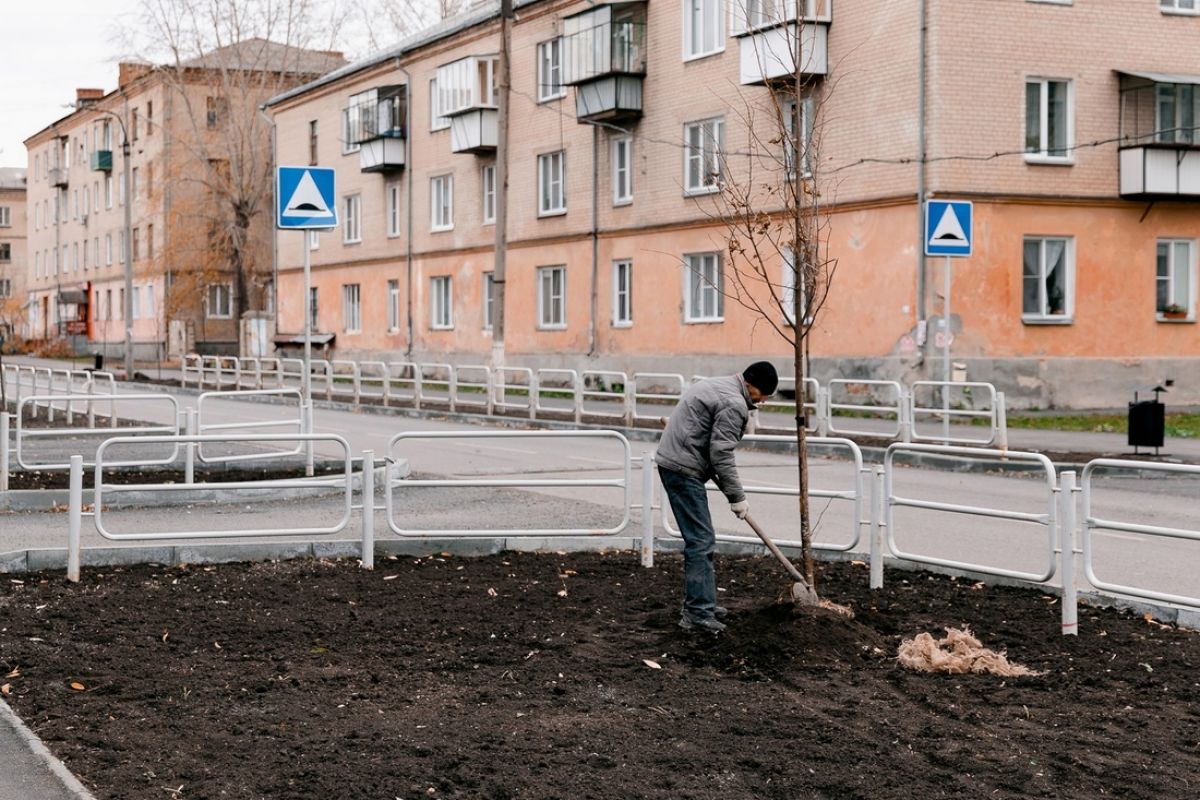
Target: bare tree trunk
<point x="801" y="292"/>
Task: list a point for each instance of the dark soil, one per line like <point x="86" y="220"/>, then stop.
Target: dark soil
<point x="59" y="479"/>
<point x="526" y="676"/>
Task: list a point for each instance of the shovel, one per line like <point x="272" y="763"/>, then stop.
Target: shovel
<point x="802" y="593"/>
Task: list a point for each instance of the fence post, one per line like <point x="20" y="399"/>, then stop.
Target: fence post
<point x="386" y="376"/>
<point x="877" y="523"/>
<point x="357" y="373"/>
<point x="368" y="509"/>
<point x="1066" y="539"/>
<point x="306" y="427"/>
<point x="74" y="518"/>
<point x="70" y="399"/>
<point x="3" y="450"/>
<point x="189" y="458"/>
<point x="491" y="385"/>
<point x="1001" y="414"/>
<point x="578" y="399"/>
<point x="647" y="508"/>
<point x="452" y="385"/>
<point x="823" y="410"/>
<point x="907" y="420"/>
<point x="418" y="375"/>
<point x="534" y="394"/>
<point x="629" y="400"/>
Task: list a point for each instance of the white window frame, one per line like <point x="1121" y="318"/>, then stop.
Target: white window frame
<point x="5" y="288"/>
<point x="1187" y="8"/>
<point x="352" y="307"/>
<point x="806" y="119"/>
<point x="314" y="296"/>
<point x="1190" y="300"/>
<point x="622" y="175"/>
<point x="210" y="300"/>
<point x="487" y="178"/>
<point x="441" y="303"/>
<point x="314" y="240"/>
<point x="352" y="224"/>
<point x="1043" y="317"/>
<point x="549" y="71"/>
<point x="622" y="293"/>
<point x="6" y="217"/>
<point x="547" y="320"/>
<point x="707" y="158"/>
<point x="1043" y="155"/>
<point x="393" y="210"/>
<point x="348" y="144"/>
<point x="136" y="301"/>
<point x="393" y="301"/>
<point x="485" y="302"/>
<point x="552" y="183"/>
<point x="1176" y="130"/>
<point x="441" y="198"/>
<point x="108" y="250"/>
<point x="787" y="286"/>
<point x="715" y="7"/>
<point x="436" y="122"/>
<point x="695" y="267"/>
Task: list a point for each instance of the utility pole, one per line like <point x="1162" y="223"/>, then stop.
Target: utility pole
<point x="128" y="304"/>
<point x="501" y="247"/>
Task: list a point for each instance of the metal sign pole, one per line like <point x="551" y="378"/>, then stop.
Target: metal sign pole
<point x="306" y="383"/>
<point x="946" y="352"/>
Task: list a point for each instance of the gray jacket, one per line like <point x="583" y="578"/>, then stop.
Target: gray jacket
<point x="703" y="431"/>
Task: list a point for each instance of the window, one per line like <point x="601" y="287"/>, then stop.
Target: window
<point x="87" y="200"/>
<point x="149" y="117"/>
<point x="121" y="190"/>
<point x="150" y="314"/>
<point x="137" y="244"/>
<point x="393" y="307"/>
<point x="5" y="288"/>
<point x="1177" y="108"/>
<point x="1180" y="6"/>
<point x="552" y="298"/>
<point x="1047" y="119"/>
<point x="5" y="217"/>
<point x="5" y="252"/>
<point x="788" y="109"/>
<point x="37" y="264"/>
<point x="349" y="137"/>
<point x="1048" y="279"/>
<point x="351" y="308"/>
<point x="552" y="169"/>
<point x="703" y="28"/>
<point x="108" y="249"/>
<point x="150" y="180"/>
<point x="352" y="226"/>
<point x="622" y="294"/>
<point x="149" y="241"/>
<point x="489" y="283"/>
<point x="312" y="308"/>
<point x="436" y="121"/>
<point x="1176" y="276"/>
<point x="314" y="240"/>
<point x="441" y="193"/>
<point x="549" y="71"/>
<point x="108" y="304"/>
<point x="488" y="179"/>
<point x="218" y="301"/>
<point x="393" y="209"/>
<point x="96" y="251"/>
<point x="216" y="108"/>
<point x="135" y="177"/>
<point x="312" y="142"/>
<point x="134" y="124"/>
<point x="441" y="311"/>
<point x="622" y="170"/>
<point x="108" y="181"/>
<point x="787" y="284"/>
<point x="702" y="156"/>
<point x="75" y="257"/>
<point x="96" y="305"/>
<point x="702" y="299"/>
<point x="137" y="302"/>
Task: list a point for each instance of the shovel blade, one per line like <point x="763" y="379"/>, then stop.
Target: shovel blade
<point x="803" y="595"/>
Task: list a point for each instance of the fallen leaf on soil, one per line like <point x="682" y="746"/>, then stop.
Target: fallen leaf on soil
<point x="562" y="592"/>
<point x="16" y="673"/>
<point x="492" y="592"/>
<point x="651" y="664"/>
<point x="164" y="636"/>
<point x="390" y="577"/>
<point x="6" y="689"/>
<point x="77" y="686"/>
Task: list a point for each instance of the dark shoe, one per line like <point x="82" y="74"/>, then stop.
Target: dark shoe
<point x="707" y="624"/>
<point x="720" y="612"/>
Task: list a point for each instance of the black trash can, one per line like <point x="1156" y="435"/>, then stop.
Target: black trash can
<point x="98" y="361"/>
<point x="1147" y="421"/>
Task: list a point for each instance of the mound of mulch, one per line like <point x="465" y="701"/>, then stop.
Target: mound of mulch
<point x="565" y="676"/>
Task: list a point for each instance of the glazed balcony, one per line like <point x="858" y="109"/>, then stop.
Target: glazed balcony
<point x="466" y="95"/>
<point x="771" y="39"/>
<point x="378" y="120"/>
<point x="102" y="160"/>
<point x="1159" y="152"/>
<point x="59" y="177"/>
<point x="604" y="57"/>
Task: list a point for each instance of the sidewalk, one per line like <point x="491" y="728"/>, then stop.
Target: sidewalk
<point x="27" y="769"/>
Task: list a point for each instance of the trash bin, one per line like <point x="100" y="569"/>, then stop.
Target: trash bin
<point x="98" y="361"/>
<point x="1147" y="420"/>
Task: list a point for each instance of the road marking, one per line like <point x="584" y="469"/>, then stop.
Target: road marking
<point x="1129" y="537"/>
<point x="606" y="461"/>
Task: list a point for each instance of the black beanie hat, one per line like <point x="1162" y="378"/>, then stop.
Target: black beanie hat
<point x="762" y="376"/>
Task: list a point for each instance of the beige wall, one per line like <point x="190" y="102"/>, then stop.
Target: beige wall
<point x="13" y="270"/>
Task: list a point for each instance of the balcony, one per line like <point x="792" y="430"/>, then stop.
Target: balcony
<point x="1159" y="152"/>
<point x="102" y="160"/>
<point x="59" y="177"/>
<point x="771" y="39"/>
<point x="604" y="57"/>
<point x="466" y="95"/>
<point x="377" y="121"/>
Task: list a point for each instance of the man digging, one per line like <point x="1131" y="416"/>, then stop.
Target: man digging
<point x="697" y="446"/>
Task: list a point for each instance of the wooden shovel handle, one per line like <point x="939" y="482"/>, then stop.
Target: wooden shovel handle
<point x="788" y="565"/>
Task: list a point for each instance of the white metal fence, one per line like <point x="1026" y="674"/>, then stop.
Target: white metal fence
<point x="62" y="438"/>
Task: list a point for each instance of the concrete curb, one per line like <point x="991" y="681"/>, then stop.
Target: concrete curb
<point x="70" y="783"/>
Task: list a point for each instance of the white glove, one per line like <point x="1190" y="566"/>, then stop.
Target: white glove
<point x="740" y="509"/>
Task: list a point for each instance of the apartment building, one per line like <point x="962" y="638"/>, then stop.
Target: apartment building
<point x="12" y="253"/>
<point x="1070" y="125"/>
<point x="196" y="153"/>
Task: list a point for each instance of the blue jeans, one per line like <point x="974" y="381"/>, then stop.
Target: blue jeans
<point x="689" y="502"/>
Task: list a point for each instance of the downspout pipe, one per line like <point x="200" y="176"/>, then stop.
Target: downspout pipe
<point x="262" y="110"/>
<point x="921" y="189"/>
<point x="408" y="180"/>
<point x="595" y="240"/>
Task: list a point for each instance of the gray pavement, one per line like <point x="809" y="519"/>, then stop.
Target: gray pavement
<point x="28" y="771"/>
